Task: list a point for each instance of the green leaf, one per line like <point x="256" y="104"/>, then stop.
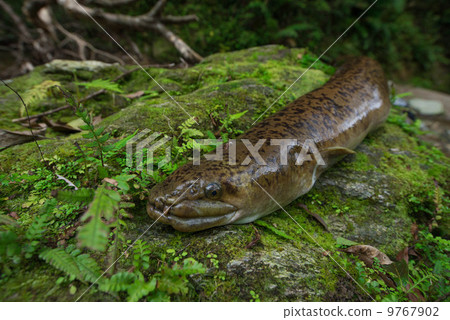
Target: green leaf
<point x="101" y="84"/>
<point x="81" y="267"/>
<point x="92" y="144"/>
<point x="62" y="260"/>
<point x="118" y="282"/>
<point x="122" y="181"/>
<point x="191" y="133"/>
<point x="342" y="242"/>
<point x="85" y="127"/>
<point x="210" y="134"/>
<point x="82" y="195"/>
<point x="99" y="131"/>
<point x="88" y="135"/>
<point x="102" y="172"/>
<point x="104" y="138"/>
<point x="140" y="288"/>
<point x="280" y="233"/>
<point x="94" y="234"/>
<point x="237" y="115"/>
<point x="122" y="143"/>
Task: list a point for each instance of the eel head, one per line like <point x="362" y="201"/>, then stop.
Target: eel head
<point x="193" y="199"/>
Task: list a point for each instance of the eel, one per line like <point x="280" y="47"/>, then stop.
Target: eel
<point x="335" y="117"/>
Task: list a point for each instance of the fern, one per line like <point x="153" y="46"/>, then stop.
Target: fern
<point x="187" y="124"/>
<point x="190" y="266"/>
<point x="63" y="261"/>
<point x="37" y="93"/>
<point x="118" y="282"/>
<point x="83" y="195"/>
<point x="101" y="84"/>
<point x="99" y="142"/>
<point x="94" y="234"/>
<point x="134" y="284"/>
<point x="81" y="267"/>
<point x="140" y="288"/>
<point x="37" y="227"/>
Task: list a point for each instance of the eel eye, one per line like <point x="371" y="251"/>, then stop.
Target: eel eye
<point x="213" y="191"/>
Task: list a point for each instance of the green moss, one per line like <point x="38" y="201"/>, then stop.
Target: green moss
<point x="371" y="197"/>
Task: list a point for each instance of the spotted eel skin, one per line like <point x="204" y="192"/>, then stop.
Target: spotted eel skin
<point x="336" y="117"/>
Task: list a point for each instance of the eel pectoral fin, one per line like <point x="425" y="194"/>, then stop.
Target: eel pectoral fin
<point x="333" y="154"/>
<point x="337" y="151"/>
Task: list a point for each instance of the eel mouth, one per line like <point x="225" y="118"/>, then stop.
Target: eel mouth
<point x="192" y="215"/>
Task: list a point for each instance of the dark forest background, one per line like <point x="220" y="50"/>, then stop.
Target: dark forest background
<point x="410" y="38"/>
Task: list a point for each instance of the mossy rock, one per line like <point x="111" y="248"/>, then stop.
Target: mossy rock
<point x="365" y="198"/>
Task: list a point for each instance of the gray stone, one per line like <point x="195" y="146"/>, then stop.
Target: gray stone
<point x="427" y="107"/>
<point x="69" y="66"/>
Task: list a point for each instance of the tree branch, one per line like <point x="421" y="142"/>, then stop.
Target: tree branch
<point x="112" y="3"/>
<point x="186" y="51"/>
<point x="23" y="30"/>
<point x="145" y="21"/>
<point x="179" y="19"/>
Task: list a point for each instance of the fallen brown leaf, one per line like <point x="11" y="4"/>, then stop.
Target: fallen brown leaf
<point x="12" y="138"/>
<point x="111" y="181"/>
<point x="134" y="95"/>
<point x="368" y="253"/>
<point x="13" y="215"/>
<point x="60" y="127"/>
<point x="415" y="231"/>
<point x="403" y="255"/>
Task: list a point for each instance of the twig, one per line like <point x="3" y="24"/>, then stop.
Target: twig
<point x="112" y="3"/>
<point x="315" y="216"/>
<point x="67" y="106"/>
<point x="69" y="183"/>
<point x="255" y="239"/>
<point x="28" y="117"/>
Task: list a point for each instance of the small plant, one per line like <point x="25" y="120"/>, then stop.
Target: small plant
<point x="255" y="296"/>
<point x="213" y="259"/>
<point x="37" y="94"/>
<point x="105" y="206"/>
<point x="101" y="84"/>
<point x="18" y="244"/>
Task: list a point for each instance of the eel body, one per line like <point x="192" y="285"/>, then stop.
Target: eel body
<point x="336" y="117"/>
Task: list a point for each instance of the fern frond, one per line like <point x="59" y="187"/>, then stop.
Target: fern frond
<point x="37" y="227"/>
<point x="118" y="282"/>
<point x="191" y="133"/>
<point x="62" y="261"/>
<point x="81" y="267"/>
<point x="187" y="124"/>
<point x="101" y="84"/>
<point x="140" y="288"/>
<point x="94" y="234"/>
<point x="83" y="195"/>
<point x="37" y="93"/>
